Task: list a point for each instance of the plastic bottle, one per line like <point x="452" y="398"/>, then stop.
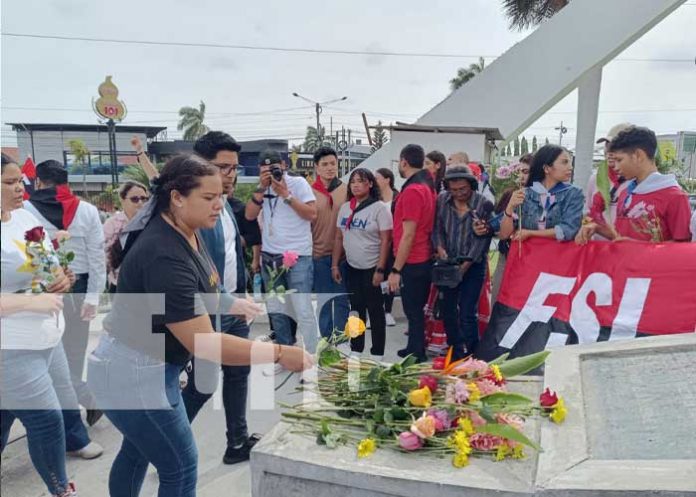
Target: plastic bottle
<point x="257" y="285"/>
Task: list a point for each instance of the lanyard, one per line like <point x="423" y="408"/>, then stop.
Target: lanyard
<point x="632" y="185"/>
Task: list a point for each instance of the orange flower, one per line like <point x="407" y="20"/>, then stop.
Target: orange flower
<point x="354" y="327"/>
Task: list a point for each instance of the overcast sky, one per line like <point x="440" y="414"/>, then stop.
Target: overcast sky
<point x="155" y="81"/>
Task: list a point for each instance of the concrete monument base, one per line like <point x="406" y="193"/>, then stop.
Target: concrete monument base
<point x="630" y="431"/>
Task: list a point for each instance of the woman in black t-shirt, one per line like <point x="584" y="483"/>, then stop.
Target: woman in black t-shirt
<point x="167" y="287"/>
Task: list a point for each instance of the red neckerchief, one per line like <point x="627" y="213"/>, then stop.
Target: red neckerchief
<point x="355" y="208"/>
<point x="70" y="204"/>
<point x="319" y="186"/>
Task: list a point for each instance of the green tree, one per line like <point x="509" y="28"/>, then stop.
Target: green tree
<point x="80" y="153"/>
<point x="516" y="149"/>
<point x="524" y="14"/>
<point x="192" y="122"/>
<point x="379" y="137"/>
<point x="136" y="173"/>
<point x="508" y="150"/>
<point x="535" y="145"/>
<point x="313" y="139"/>
<point x="502" y="150"/>
<point x="524" y="146"/>
<point x="465" y="74"/>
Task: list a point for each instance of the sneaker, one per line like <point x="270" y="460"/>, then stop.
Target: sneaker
<point x="273" y="370"/>
<point x="270" y="337"/>
<point x="69" y="492"/>
<point x="233" y="455"/>
<point x="90" y="451"/>
<point x="93" y="415"/>
<point x="379" y="359"/>
<point x="389" y="319"/>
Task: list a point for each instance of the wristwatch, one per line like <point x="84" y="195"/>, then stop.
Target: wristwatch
<point x="257" y="202"/>
<point x="396" y="271"/>
<point x="288" y="199"/>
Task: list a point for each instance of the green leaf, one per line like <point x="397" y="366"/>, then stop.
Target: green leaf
<point x="503" y="399"/>
<point x="603" y="183"/>
<point x="399" y="413"/>
<point x="373" y="375"/>
<point x="329" y="357"/>
<point x="332" y="440"/>
<point x="486" y="413"/>
<point x="388" y="417"/>
<point x="500" y="359"/>
<point x="522" y="365"/>
<point x="280" y="289"/>
<point x="383" y="431"/>
<point x="408" y="361"/>
<point x="378" y="415"/>
<point x="507" y="431"/>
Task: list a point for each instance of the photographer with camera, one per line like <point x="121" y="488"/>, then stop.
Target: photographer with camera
<point x="289" y="207"/>
<point x="458" y="247"/>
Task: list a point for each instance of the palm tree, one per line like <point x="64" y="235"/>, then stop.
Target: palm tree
<point x="192" y="122"/>
<point x="464" y="74"/>
<point x="525" y="14"/>
<point x="313" y="139"/>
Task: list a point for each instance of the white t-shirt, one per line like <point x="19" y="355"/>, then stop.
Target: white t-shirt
<point x="230" y="236"/>
<point x="283" y="229"/>
<point x="362" y="241"/>
<point x="23" y="330"/>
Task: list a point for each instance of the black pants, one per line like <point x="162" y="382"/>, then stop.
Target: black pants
<point x="415" y="287"/>
<point x="76" y="337"/>
<point x="389" y="297"/>
<point x="366" y="298"/>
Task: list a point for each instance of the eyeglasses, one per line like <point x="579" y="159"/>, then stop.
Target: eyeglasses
<point x="226" y="169"/>
<point x="137" y="200"/>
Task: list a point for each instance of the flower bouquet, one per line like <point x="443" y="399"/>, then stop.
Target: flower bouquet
<point x="459" y="409"/>
<point x="41" y="260"/>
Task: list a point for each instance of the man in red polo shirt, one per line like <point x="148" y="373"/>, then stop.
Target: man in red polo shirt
<point x="414" y="214"/>
<point x="652" y="207"/>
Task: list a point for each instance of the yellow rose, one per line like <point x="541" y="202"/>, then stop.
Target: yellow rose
<point x="424" y="427"/>
<point x="354" y="327"/>
<point x="366" y="447"/>
<point x="559" y="411"/>
<point x="421" y="397"/>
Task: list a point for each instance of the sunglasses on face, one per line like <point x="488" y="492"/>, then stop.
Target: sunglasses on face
<point x="226" y="169"/>
<point x="137" y="200"/>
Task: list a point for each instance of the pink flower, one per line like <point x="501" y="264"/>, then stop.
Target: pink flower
<point x="290" y="258"/>
<point x="424" y="426"/>
<point x="504" y="172"/>
<point x="442" y="419"/>
<point x="410" y="441"/>
<point x="428" y="381"/>
<point x="456" y="393"/>
<point x="484" y="441"/>
<point x="513" y="420"/>
<point x="487" y="387"/>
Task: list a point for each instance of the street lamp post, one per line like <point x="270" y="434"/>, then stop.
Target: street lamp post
<point x="318" y="106"/>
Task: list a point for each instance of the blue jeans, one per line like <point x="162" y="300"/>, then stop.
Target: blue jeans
<point x="141" y="397"/>
<point x="34" y="387"/>
<point x="202" y="382"/>
<point x="332" y="312"/>
<point x="299" y="278"/>
<point x="459" y="307"/>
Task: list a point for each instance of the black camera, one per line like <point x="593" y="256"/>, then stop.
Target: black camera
<point x="276" y="172"/>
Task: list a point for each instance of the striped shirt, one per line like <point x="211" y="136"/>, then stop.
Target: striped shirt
<point x="455" y="233"/>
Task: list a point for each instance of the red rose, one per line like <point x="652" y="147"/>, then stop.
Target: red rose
<point x="548" y="398"/>
<point x="439" y="363"/>
<point x="56" y="244"/>
<point x="428" y="381"/>
<point x="35" y="235"/>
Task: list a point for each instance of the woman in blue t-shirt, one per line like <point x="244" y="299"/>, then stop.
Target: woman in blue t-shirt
<point x="167" y="287"/>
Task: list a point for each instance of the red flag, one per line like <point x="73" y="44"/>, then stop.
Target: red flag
<point x="28" y="177"/>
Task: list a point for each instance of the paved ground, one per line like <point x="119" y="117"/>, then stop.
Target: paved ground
<point x="19" y="479"/>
